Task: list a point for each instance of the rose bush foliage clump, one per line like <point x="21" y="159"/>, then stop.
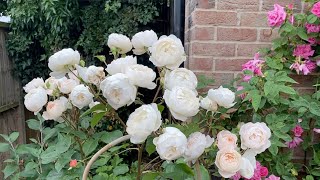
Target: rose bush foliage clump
<point x="244" y="132"/>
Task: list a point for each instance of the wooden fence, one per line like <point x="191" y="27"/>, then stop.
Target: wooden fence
<point x="11" y="106"/>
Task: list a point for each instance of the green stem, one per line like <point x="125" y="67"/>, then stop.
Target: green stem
<point x="139" y="161"/>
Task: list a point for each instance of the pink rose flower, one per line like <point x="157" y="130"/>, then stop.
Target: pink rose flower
<point x="254" y="65"/>
<point x="297" y="131"/>
<point x="304" y="51"/>
<point x="294" y="143"/>
<point x="291" y="19"/>
<point x="313" y="41"/>
<point x="316" y="9"/>
<point x="308" y="67"/>
<point x="290" y="6"/>
<point x="243" y="95"/>
<point x="316" y="130"/>
<point x="73" y="163"/>
<point x="264" y="171"/>
<point x="295" y="66"/>
<point x="277" y="16"/>
<point x="273" y="177"/>
<point x="237" y="176"/>
<point x="312" y="28"/>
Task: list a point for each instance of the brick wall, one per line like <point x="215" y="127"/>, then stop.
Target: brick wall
<point x="220" y="35"/>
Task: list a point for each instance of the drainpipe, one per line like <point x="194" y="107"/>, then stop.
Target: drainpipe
<point x="177" y="12"/>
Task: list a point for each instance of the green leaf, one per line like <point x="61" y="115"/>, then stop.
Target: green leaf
<point x="121" y="169"/>
<point x="9" y="170"/>
<point x="281" y="135"/>
<point x="256" y="99"/>
<point x="314" y="109"/>
<point x="315" y="172"/>
<point x="97" y="107"/>
<point x="4" y="147"/>
<point x="108" y="137"/>
<point x="273" y="149"/>
<point x="89" y="146"/>
<point x="101" y="58"/>
<point x="282" y="76"/>
<point x="150" y="176"/>
<point x="14" y="136"/>
<point x="150" y="147"/>
<point x="302" y="33"/>
<point x="33" y="124"/>
<point x="48" y="133"/>
<point x="281" y="169"/>
<point x="309" y="177"/>
<point x="274" y="63"/>
<point x="30" y="165"/>
<point x="96" y="118"/>
<point x="160" y="108"/>
<point x="203" y="81"/>
<point x="5" y="137"/>
<point x="204" y="174"/>
<point x="312" y="18"/>
<point x="286" y="89"/>
<point x="63" y="160"/>
<point x="54" y="175"/>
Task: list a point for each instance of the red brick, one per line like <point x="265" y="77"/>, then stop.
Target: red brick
<point x="247" y="5"/>
<point x="213" y="49"/>
<point x="267" y="5"/>
<point x="204" y="64"/>
<point x="202" y="33"/>
<point x="249" y="50"/>
<point x="253" y="19"/>
<point x="236" y="34"/>
<point x="267" y="35"/>
<point x="229" y="64"/>
<point x="214" y="18"/>
<point x="204" y="4"/>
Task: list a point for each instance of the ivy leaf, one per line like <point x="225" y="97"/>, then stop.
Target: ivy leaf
<point x="89" y="146"/>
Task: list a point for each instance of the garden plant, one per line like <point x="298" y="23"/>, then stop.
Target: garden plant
<point x="247" y="129"/>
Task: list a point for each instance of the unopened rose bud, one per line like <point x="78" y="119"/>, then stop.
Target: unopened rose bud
<point x="73" y="163"/>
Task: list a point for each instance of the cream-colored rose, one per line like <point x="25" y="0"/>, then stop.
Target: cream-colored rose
<point x="208" y="104"/>
<point x="35" y="83"/>
<point x="197" y="142"/>
<point x="223" y="96"/>
<point x="171" y="144"/>
<point x="180" y="77"/>
<point x="91" y="74"/>
<point x="62" y="61"/>
<point x="226" y="139"/>
<point x="255" y="136"/>
<point x="80" y="96"/>
<point x="143" y="40"/>
<point x="141" y="76"/>
<point x="120" y="42"/>
<point x="118" y="90"/>
<point x="246" y="170"/>
<point x="51" y="86"/>
<point x="228" y="161"/>
<point x="168" y="51"/>
<point x="120" y="65"/>
<point x="66" y="85"/>
<point x="142" y="122"/>
<point x="55" y="109"/>
<point x="182" y="102"/>
<point x="36" y="99"/>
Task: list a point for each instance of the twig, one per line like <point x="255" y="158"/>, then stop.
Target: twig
<point x="101" y="151"/>
<point x="145" y="167"/>
<point x="139" y="161"/>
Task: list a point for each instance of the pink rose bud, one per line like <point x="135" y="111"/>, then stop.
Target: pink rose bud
<point x="73" y="163"/>
<point x="264" y="171"/>
<point x="290" y="6"/>
<point x="273" y="177"/>
<point x="297" y="131"/>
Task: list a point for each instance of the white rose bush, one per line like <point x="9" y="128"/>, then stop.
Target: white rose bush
<point x="95" y="122"/>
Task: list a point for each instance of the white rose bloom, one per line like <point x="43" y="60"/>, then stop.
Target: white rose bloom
<point x="182" y="102"/>
<point x="51" y="85"/>
<point x="120" y="42"/>
<point x="197" y="142"/>
<point x="80" y="96"/>
<point x="35" y="83"/>
<point x="171" y="144"/>
<point x="36" y="99"/>
<point x="180" y="77"/>
<point x="255" y="136"/>
<point x="55" y="109"/>
<point x="66" y="85"/>
<point x="226" y="139"/>
<point x="93" y="103"/>
<point x="208" y="104"/>
<point x="91" y="74"/>
<point x="120" y="65"/>
<point x="142" y="122"/>
<point x="223" y="96"/>
<point x="61" y="61"/>
<point x="118" y="90"/>
<point x="246" y="170"/>
<point x="250" y="155"/>
<point x="143" y="40"/>
<point x="167" y="51"/>
<point x="228" y="161"/>
<point x="141" y="76"/>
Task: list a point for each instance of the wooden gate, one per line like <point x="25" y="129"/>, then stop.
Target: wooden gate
<point x="11" y="106"/>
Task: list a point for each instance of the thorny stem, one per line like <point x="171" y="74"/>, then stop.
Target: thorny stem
<point x="139" y="161"/>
